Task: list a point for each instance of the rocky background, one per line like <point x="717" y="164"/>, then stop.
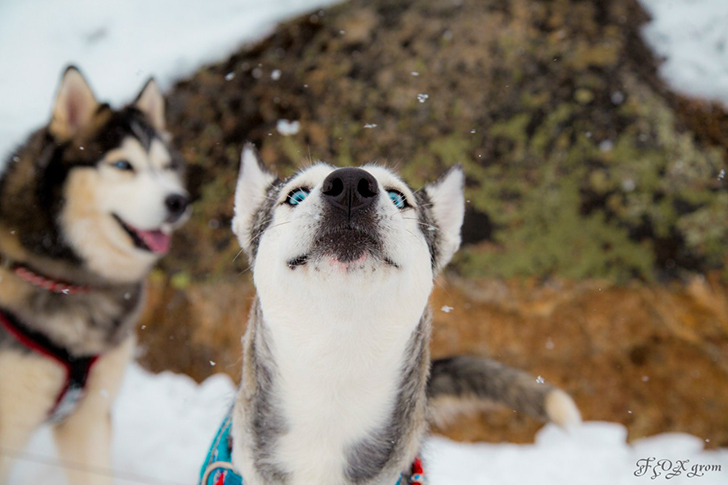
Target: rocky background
<point x="595" y="240"/>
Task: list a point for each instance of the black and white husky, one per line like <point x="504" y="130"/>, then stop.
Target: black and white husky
<point x="337" y="383"/>
<point x="87" y="206"/>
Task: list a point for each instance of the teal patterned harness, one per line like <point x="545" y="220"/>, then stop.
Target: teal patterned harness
<point x="218" y="468"/>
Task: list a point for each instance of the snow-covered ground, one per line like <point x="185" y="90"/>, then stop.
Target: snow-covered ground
<point x="163" y="424"/>
<point x="692" y="36"/>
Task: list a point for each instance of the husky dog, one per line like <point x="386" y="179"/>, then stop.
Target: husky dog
<point x="87" y="206"/>
<point x="337" y="383"/>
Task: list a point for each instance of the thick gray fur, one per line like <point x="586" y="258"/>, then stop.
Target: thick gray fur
<point x="472" y="377"/>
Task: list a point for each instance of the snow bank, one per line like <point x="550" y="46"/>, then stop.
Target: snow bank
<point x="163" y="424"/>
<point x="692" y="36"/>
<point x="117" y="45"/>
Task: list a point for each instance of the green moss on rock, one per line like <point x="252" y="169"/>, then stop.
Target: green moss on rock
<point x="573" y="151"/>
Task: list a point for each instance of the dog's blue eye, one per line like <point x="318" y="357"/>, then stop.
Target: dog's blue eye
<point x="297" y="196"/>
<point x="397" y="199"/>
<point x="122" y="165"/>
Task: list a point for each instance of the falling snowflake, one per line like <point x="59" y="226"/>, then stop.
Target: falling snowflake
<point x="415" y="73"/>
<point x="275" y="75"/>
<point x="721" y="175"/>
<point x="230" y="76"/>
<point x="286" y="127"/>
<point x="540" y="380"/>
<point x="447" y="309"/>
<point x="422" y="97"/>
<point x="212" y="364"/>
<point x="370" y="125"/>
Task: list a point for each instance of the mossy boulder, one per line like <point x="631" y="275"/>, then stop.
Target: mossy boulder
<point x="578" y="164"/>
<point x="584" y="173"/>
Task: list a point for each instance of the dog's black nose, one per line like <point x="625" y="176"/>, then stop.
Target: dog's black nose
<point x="176" y="206"/>
<point x="350" y="189"/>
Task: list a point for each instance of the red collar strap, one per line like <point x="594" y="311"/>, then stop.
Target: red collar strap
<point x="45" y="283"/>
<point x="77" y="368"/>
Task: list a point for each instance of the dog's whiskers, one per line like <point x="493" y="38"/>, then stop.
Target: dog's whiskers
<point x="271" y="227"/>
<point x="238" y="254"/>
<point x="429" y="226"/>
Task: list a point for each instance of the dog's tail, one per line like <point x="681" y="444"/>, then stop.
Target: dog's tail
<point x="463" y="384"/>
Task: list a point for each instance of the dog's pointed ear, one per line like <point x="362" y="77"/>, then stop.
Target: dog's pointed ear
<point x="151" y="102"/>
<point x="447" y="196"/>
<point x="254" y="180"/>
<point x="75" y="105"/>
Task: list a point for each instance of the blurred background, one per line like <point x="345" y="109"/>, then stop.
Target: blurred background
<point x="593" y="135"/>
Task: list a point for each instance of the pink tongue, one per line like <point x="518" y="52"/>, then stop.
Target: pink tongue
<point x="157" y="241"/>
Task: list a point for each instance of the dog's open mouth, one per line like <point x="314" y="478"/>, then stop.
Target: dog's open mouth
<point x="156" y="241"/>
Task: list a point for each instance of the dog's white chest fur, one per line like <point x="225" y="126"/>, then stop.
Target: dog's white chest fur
<point x="339" y="364"/>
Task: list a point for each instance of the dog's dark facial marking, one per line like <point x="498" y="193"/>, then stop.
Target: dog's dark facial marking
<point x="264" y="215"/>
<point x="427" y="225"/>
<point x="347" y="243"/>
<point x="144" y="133"/>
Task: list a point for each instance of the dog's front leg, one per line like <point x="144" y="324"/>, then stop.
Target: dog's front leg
<point x="84" y="437"/>
<point x="29" y="384"/>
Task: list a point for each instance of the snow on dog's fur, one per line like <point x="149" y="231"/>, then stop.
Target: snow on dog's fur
<point x="336" y="361"/>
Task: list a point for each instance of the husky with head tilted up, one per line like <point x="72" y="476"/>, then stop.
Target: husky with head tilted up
<point x="337" y="383"/>
<point x="87" y="206"/>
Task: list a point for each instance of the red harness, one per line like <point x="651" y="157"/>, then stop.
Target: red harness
<point x="54" y="286"/>
<point x="77" y="368"/>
